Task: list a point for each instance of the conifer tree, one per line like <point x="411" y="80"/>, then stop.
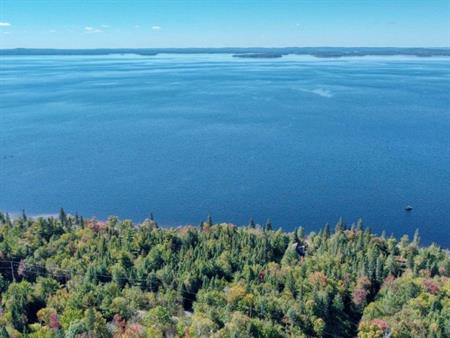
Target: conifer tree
<point x="3" y="332"/>
<point x="379" y="269"/>
<point x="416" y="239"/>
<point x="62" y="216"/>
<point x="90" y="320"/>
<point x="268" y="225"/>
<point x="339" y="225"/>
<point x="326" y="231"/>
<point x="209" y="221"/>
<point x="296" y="237"/>
<point x="301" y="233"/>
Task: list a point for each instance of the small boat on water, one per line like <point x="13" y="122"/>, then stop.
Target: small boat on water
<point x="408" y="208"/>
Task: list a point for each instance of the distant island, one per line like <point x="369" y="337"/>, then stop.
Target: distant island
<point x="258" y="55"/>
<point x="256" y="52"/>
<point x="66" y="276"/>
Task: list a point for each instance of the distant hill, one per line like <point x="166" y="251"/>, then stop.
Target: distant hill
<point x="323" y="52"/>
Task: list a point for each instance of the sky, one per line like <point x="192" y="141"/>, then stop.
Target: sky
<point x="229" y="23"/>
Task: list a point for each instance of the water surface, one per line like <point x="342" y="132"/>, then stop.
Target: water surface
<point x="298" y="139"/>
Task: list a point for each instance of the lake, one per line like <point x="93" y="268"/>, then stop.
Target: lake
<point x="300" y="140"/>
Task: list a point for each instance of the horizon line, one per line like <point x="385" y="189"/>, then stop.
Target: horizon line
<point x="233" y="47"/>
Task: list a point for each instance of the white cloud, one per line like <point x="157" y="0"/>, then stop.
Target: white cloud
<point x="89" y="29"/>
<point x="5" y="24"/>
<point x="104" y="26"/>
<point x="52" y="31"/>
<point x="156" y="28"/>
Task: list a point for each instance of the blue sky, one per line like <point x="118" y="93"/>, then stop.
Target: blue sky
<point x="217" y="23"/>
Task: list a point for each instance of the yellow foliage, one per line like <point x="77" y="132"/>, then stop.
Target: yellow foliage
<point x="369" y="330"/>
<point x="44" y="314"/>
<point x="235" y="293"/>
<point x="201" y="327"/>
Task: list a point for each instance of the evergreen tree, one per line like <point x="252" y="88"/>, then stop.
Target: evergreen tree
<point x="359" y="225"/>
<point x="296" y="237"/>
<point x="62" y="216"/>
<point x="416" y="239"/>
<point x="209" y="221"/>
<point x="268" y="226"/>
<point x="301" y="233"/>
<point x="90" y="321"/>
<point x="379" y="269"/>
<point x="3" y="332"/>
<point x="340" y="225"/>
<point x="326" y="231"/>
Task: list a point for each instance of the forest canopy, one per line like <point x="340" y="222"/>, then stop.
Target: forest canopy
<point x="69" y="277"/>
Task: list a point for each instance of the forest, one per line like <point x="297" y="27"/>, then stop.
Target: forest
<point x="66" y="276"/>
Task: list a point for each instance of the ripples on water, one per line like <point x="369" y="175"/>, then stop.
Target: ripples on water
<point x="298" y="139"/>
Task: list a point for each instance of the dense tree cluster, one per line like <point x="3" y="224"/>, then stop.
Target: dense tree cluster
<point x="70" y="277"/>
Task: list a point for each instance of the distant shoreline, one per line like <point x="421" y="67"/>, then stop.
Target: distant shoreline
<point x="256" y="52"/>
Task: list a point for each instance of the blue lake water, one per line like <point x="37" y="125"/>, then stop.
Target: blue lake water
<point x="299" y="139"/>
